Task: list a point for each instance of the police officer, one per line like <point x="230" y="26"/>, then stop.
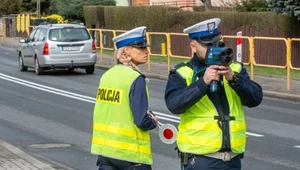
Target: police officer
<point x="212" y="131"/>
<point x="121" y="120"/>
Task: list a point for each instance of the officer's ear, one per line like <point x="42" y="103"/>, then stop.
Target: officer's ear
<point x="125" y="51"/>
<point x="193" y="45"/>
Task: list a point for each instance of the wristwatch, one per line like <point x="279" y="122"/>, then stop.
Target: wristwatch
<point x="235" y="78"/>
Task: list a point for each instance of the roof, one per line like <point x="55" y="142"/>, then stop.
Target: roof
<point x="77" y="25"/>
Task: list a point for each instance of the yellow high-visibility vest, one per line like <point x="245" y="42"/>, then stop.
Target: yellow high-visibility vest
<point x="198" y="130"/>
<point x="114" y="133"/>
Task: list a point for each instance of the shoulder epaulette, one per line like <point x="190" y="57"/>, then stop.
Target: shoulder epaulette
<point x="173" y="70"/>
<point x="237" y="66"/>
<point x="242" y="64"/>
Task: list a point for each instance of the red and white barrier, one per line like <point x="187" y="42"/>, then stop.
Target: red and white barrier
<point x="239" y="47"/>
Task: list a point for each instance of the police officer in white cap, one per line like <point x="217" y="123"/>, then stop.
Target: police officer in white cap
<point x="121" y="120"/>
<point x="212" y="130"/>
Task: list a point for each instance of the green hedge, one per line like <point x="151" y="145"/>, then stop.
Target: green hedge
<point x="234" y="20"/>
<point x="160" y="18"/>
<point x="125" y="18"/>
<point x="94" y="16"/>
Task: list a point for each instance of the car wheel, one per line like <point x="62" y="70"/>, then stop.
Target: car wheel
<point x="90" y="69"/>
<point x="37" y="68"/>
<point x="21" y="64"/>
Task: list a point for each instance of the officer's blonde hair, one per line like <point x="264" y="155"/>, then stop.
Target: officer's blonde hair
<point x="123" y="58"/>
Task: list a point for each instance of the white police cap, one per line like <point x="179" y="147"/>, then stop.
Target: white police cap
<point x="208" y="30"/>
<point x="135" y="37"/>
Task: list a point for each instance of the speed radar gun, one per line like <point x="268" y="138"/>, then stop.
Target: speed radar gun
<point x="167" y="132"/>
<point x="218" y="56"/>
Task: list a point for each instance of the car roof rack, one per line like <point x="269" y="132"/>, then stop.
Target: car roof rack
<point x="46" y="23"/>
<point x="76" y="23"/>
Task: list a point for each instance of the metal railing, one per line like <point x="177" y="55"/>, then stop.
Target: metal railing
<point x="251" y="40"/>
<point x="100" y="35"/>
<point x="289" y="60"/>
<point x="269" y="65"/>
<point x="155" y="54"/>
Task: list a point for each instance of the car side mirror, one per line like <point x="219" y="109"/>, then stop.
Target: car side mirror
<point x="22" y="41"/>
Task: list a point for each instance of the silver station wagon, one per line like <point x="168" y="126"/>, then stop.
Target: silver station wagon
<point x="62" y="46"/>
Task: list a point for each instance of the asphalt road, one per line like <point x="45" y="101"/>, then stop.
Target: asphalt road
<point x="57" y="108"/>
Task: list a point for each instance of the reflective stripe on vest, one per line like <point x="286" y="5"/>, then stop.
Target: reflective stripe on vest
<point x="114" y="133"/>
<point x="199" y="132"/>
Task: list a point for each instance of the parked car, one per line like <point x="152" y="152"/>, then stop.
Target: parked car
<point x="51" y="46"/>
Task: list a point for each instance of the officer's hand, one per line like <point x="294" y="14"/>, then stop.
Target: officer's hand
<point x="211" y="73"/>
<point x="152" y="116"/>
<point x="156" y="119"/>
<point x="150" y="113"/>
<point x="226" y="71"/>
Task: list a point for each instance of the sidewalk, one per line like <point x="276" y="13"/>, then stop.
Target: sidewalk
<point x="12" y="158"/>
<point x="272" y="86"/>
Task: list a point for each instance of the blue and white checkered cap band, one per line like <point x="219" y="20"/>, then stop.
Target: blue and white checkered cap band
<point x="126" y="42"/>
<point x="203" y="33"/>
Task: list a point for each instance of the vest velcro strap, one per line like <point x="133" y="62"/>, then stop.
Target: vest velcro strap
<point x="224" y="118"/>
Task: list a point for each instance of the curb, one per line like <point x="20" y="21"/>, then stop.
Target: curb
<point x="266" y="93"/>
<point x="25" y="156"/>
<point x="281" y="95"/>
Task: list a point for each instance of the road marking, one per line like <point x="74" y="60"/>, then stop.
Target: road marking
<point x="297" y="146"/>
<point x="88" y="99"/>
<point x="47" y="90"/>
<point x="31" y="84"/>
<point x="254" y="134"/>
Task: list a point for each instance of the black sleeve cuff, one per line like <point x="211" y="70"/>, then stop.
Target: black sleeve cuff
<point x="238" y="84"/>
<point x="201" y="85"/>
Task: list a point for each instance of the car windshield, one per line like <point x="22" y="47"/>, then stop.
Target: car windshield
<point x="68" y="34"/>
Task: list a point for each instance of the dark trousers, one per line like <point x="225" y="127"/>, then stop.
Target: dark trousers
<point x="205" y="163"/>
<point x="105" y="163"/>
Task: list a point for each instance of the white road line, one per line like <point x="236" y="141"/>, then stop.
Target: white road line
<point x="72" y="95"/>
<point x="54" y="92"/>
<point x="88" y="99"/>
<point x="46" y="87"/>
<point x="297" y="146"/>
<point x="254" y="134"/>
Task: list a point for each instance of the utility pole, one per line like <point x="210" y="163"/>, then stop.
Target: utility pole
<point x="38" y="9"/>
